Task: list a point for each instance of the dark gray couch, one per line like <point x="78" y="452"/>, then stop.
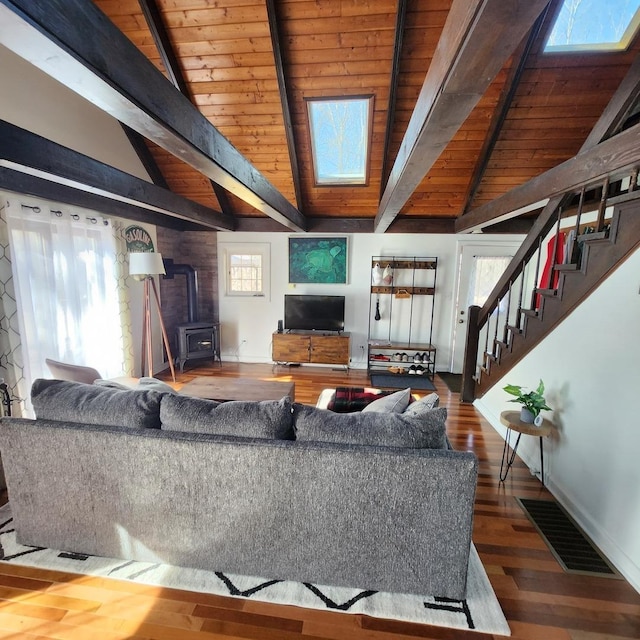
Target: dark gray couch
<point x="246" y="500"/>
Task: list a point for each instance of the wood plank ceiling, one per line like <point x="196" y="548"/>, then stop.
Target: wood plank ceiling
<point x="248" y="65"/>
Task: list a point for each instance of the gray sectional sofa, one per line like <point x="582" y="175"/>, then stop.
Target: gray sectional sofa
<point x="249" y="488"/>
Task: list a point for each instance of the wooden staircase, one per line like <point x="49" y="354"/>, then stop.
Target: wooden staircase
<point x="518" y="314"/>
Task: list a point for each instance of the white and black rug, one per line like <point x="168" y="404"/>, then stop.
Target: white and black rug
<point x="479" y="612"/>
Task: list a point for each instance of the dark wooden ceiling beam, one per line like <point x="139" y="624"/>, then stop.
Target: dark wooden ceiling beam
<point x="26" y="152"/>
<point x="477" y="40"/>
<point x="276" y="44"/>
<point x="75" y="43"/>
<point x="145" y="156"/>
<point x="163" y="44"/>
<point x="27" y="184"/>
<point x="393" y="90"/>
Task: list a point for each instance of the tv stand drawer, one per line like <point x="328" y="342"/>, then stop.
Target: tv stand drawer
<point x="316" y="349"/>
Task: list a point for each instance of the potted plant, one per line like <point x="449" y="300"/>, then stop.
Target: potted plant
<point x="532" y="402"/>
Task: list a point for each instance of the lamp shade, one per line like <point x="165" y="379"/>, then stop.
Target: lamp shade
<point x="146" y="263"/>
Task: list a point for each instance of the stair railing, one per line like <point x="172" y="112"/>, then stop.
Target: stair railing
<point x="520" y="293"/>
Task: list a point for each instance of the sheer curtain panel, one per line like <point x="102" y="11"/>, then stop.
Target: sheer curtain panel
<point x="64" y="264"/>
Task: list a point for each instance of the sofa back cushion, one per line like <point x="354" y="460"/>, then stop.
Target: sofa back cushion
<point x="91" y="404"/>
<point x="426" y="431"/>
<point x="395" y="402"/>
<point x="265" y="419"/>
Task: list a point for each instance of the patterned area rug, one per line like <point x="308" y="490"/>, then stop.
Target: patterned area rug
<point x="479" y="612"/>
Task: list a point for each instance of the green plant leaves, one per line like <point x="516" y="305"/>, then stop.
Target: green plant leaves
<point x="532" y="400"/>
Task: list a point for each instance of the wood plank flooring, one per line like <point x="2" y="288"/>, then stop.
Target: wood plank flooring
<point x="540" y="601"/>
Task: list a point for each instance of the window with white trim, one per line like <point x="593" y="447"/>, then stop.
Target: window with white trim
<point x="593" y="25"/>
<point x="340" y="130"/>
<point x="246" y="269"/>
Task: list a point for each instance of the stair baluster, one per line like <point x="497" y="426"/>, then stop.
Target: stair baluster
<point x="537" y="273"/>
<point x="574" y="255"/>
<point x="602" y="206"/>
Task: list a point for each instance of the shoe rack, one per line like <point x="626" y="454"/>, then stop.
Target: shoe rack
<point x="401" y="315"/>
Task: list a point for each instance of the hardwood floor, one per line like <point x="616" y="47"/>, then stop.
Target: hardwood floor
<point x="540" y="601"/>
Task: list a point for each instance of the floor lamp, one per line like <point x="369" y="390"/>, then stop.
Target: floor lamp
<point x="145" y="265"/>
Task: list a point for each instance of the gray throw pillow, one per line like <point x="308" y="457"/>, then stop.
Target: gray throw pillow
<point x="393" y="403"/>
<point x="266" y="419"/>
<point x="154" y="384"/>
<point x="423" y="405"/>
<point x="378" y="429"/>
<point x="92" y="404"/>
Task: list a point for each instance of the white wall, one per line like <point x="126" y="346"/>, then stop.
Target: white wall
<point x="32" y="100"/>
<point x="591" y="368"/>
<point x="254" y="319"/>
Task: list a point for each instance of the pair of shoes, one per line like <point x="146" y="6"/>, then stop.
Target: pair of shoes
<point x="397" y="370"/>
<point x="416" y="370"/>
<point x="421" y="357"/>
<point x="401" y="357"/>
<point x="379" y="356"/>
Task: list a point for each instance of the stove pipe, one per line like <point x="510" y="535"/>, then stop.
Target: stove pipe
<point x="192" y="285"/>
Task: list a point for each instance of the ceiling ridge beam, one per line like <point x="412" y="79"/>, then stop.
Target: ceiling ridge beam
<point x="477" y="40"/>
<point x="27" y="152"/>
<point x="75" y="43"/>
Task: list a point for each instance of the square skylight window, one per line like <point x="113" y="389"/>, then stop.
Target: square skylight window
<point x="340" y="139"/>
<point x="594" y="25"/>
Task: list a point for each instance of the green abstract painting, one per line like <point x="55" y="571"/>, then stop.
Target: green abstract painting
<point x="318" y="260"/>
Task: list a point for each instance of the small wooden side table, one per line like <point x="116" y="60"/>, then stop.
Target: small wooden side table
<point x="511" y="420"/>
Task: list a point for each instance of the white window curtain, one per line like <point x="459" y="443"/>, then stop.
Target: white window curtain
<point x="64" y="264"/>
<point x="485" y="273"/>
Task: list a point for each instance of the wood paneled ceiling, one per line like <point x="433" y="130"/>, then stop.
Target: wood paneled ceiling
<point x="465" y="109"/>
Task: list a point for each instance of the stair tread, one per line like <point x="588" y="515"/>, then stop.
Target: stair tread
<point x="530" y="313"/>
<point x="547" y="292"/>
<point x="596" y="235"/>
<point x="514" y="329"/>
<point x="568" y="266"/>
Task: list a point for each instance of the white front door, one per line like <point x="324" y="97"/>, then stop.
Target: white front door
<point x="476" y="278"/>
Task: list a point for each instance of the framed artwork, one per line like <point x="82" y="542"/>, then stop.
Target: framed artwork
<point x="318" y="260"/>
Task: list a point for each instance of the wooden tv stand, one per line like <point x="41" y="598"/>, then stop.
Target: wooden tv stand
<point x="315" y="347"/>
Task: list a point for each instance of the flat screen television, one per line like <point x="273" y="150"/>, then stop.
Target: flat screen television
<point x="313" y="313"/>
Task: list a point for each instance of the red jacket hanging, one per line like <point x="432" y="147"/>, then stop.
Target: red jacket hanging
<point x="546" y="276"/>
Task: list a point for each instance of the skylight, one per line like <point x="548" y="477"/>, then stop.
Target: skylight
<point x="340" y="132"/>
<point x="594" y="25"/>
